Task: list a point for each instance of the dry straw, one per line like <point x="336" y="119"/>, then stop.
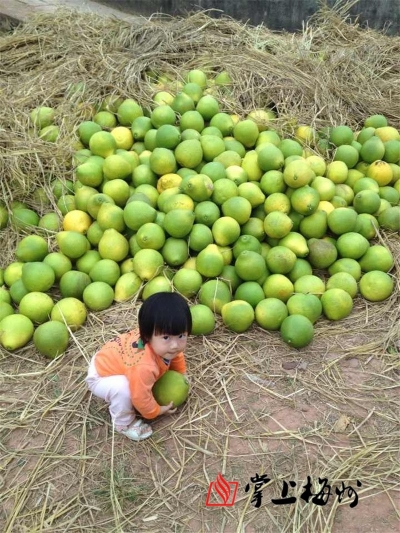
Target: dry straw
<point x="256" y="406"/>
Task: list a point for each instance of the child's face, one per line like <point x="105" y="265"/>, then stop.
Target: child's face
<point x="168" y="346"/>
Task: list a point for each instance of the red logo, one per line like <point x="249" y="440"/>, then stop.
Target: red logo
<point x="221" y="493"/>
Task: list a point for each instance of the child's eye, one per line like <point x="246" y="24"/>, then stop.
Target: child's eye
<point x="166" y="337"/>
<point x="182" y="336"/>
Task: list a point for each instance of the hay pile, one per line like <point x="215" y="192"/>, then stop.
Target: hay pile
<point x="63" y="469"/>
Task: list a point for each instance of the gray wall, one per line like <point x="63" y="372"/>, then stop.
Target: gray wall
<point x="276" y="14"/>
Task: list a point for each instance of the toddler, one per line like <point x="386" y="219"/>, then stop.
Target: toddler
<point x="125" y="369"/>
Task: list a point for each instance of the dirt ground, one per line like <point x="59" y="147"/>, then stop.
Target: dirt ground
<point x="259" y="414"/>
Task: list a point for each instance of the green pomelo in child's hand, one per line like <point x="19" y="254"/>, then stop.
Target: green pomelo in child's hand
<point x="171" y="387"/>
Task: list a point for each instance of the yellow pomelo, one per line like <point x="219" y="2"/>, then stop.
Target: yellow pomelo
<point x="277" y="224"/>
<point x="203" y="320"/>
<point x="381" y="172"/>
<point x="342" y="220"/>
<point x="387" y="133"/>
<point x="297" y="331"/>
<point x="296" y="243"/>
<point x="98" y="296"/>
<point x="377" y="257"/>
<point x="310" y="284"/>
<point x="225" y="231"/>
<point x="237" y="315"/>
<point x="246" y="132"/>
<point x="123" y="137"/>
<point x="16" y="331"/>
<point x="12" y="272"/>
<point x="208" y="106"/>
<point x="171" y="387"/>
<point x="70" y="311"/>
<point x="199" y="237"/>
<point x="206" y="212"/>
<point x="6" y="309"/>
<point x="209" y="261"/>
<point x="37" y="306"/>
<point x="305" y="134"/>
<point x="336" y="304"/>
<point x="337" y="171"/>
<point x="251" y="292"/>
<point x="72" y="243"/>
<point x="376" y="286"/>
<point x="344" y="281"/>
<point x="270" y="157"/>
<point x="325" y="206"/>
<point x="113" y="245"/>
<point x="390" y="218"/>
<point x="215" y="294"/>
<point x="158" y="284"/>
<point x="298" y="173"/>
<point x="278" y="286"/>
<point x="102" y="143"/>
<point x="127" y="111"/>
<point x="31" y="248"/>
<point x="324" y="186"/>
<point x="116" y="167"/>
<point x="163" y="114"/>
<point x="308" y="305"/>
<point x="147" y="263"/>
<point x="270" y="313"/>
<point x="301" y="268"/>
<point x="224" y="189"/>
<point x="127" y="286"/>
<point x="37" y="276"/>
<point x="352" y="245"/>
<point x="77" y="220"/>
<point x="51" y="339"/>
<point x="250" y="266"/>
<point x="137" y="213"/>
<point x="190" y="263"/>
<point x="277" y="201"/>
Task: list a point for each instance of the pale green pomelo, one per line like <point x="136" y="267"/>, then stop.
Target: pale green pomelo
<point x="203" y="320"/>
<point x="175" y="251"/>
<point x="127" y="286"/>
<point x="16" y="331"/>
<point x="73" y="283"/>
<point x="251" y="292"/>
<point x="37" y="276"/>
<point x="72" y="243"/>
<point x="51" y="339"/>
<point x="237" y="315"/>
<point x="171" y="387"/>
<point x="37" y="306"/>
<point x="308" y="305"/>
<point x="322" y="253"/>
<point x="98" y="296"/>
<point x="31" y="248"/>
<point x="147" y="263"/>
<point x="6" y="309"/>
<point x="178" y="222"/>
<point x="214" y="294"/>
<point x="59" y="262"/>
<point x="270" y="313"/>
<point x="155" y="285"/>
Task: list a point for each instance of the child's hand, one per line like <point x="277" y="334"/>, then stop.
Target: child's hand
<point x="170" y="409"/>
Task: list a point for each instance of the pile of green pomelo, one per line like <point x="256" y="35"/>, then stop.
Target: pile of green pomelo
<point x="242" y="221"/>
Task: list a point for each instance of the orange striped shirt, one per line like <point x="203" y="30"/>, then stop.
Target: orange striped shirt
<point x="125" y="355"/>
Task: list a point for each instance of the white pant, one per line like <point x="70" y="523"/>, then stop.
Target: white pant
<point x="115" y="391"/>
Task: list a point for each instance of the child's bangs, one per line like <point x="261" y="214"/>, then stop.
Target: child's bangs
<point x="173" y="323"/>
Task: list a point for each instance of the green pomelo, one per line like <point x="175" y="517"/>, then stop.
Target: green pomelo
<point x="51" y="339"/>
<point x="171" y="387"/>
<point x="32" y="248"/>
<point x="37" y="306"/>
<point x="203" y="320"/>
<point x="127" y="286"/>
<point x="147" y="263"/>
<point x="297" y="331"/>
<point x="237" y="315"/>
<point x="37" y="276"/>
<point x="308" y="305"/>
<point x="215" y="294"/>
<point x="98" y="296"/>
<point x="16" y="331"/>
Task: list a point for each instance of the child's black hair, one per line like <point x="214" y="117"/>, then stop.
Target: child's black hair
<point x="164" y="312"/>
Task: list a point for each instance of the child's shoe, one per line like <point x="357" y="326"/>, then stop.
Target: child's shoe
<point x="138" y="430"/>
